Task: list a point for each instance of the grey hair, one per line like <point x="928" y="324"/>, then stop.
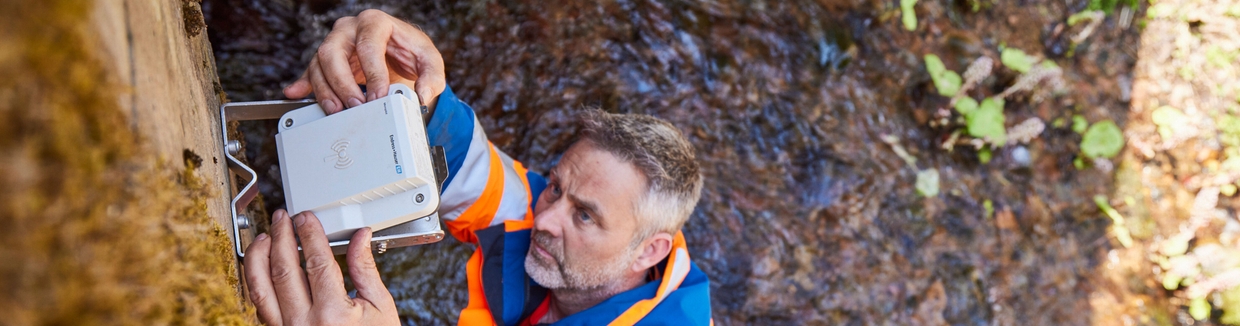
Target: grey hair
<point x="662" y="154"/>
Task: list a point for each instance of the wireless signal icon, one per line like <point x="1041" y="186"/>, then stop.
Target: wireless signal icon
<point x="341" y="158"/>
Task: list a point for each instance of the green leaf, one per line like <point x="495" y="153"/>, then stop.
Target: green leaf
<point x="987" y="122"/>
<point x="1016" y="59"/>
<point x="1230" y="165"/>
<point x="1094" y="5"/>
<point x="1078" y="17"/>
<point x="928" y="182"/>
<point x="1230" y="307"/>
<point x="984" y="155"/>
<point x="1168" y="119"/>
<point x="966" y="105"/>
<point x="1171" y="281"/>
<point x="946" y="81"/>
<point x="1117" y="221"/>
<point x="1161" y="10"/>
<point x="1078" y="163"/>
<point x="989" y="207"/>
<point x="1229" y="123"/>
<point x="1049" y="64"/>
<point x="1175" y="246"/>
<point x="1222" y="59"/>
<point x="1079" y="124"/>
<point x="1103" y="139"/>
<point x="907" y="15"/>
<point x="1106" y="6"/>
<point x="1199" y="308"/>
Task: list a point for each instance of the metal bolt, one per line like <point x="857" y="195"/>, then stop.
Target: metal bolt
<point x="419" y="198"/>
<point x="381" y="247"/>
<point x="233" y="147"/>
<point x="288" y="122"/>
<point x="243" y="222"/>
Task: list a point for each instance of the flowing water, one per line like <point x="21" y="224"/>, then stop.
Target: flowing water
<point x="807" y="216"/>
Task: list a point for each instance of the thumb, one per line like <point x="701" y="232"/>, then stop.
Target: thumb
<point x="364" y="272"/>
<point x="298" y="89"/>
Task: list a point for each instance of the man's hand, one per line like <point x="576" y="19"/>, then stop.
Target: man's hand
<point x="284" y="294"/>
<point x="374" y="49"/>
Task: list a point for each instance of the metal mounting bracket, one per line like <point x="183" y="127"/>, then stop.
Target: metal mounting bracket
<point x="419" y="231"/>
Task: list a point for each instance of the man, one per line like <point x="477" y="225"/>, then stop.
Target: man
<point x="597" y="242"/>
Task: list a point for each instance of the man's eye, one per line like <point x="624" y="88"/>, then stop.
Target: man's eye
<point x="585" y="217"/>
<point x="555" y="189"/>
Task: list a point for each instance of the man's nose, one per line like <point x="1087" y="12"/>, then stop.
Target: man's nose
<point x="551" y="220"/>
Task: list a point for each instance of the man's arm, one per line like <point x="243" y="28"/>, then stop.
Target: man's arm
<point x="485" y="186"/>
<point x="283" y="292"/>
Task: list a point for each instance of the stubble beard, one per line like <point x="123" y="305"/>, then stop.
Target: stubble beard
<point x="562" y="274"/>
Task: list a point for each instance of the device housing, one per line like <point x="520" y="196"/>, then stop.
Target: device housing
<point x="366" y="166"/>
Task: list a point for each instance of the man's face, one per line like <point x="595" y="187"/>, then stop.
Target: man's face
<point x="584" y="221"/>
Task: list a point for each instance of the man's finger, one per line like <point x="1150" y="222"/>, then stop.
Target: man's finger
<point x="258" y="280"/>
<point x="364" y="272"/>
<point x="374" y="29"/>
<point x="431" y="80"/>
<point x="300" y="88"/>
<point x="333" y="58"/>
<point x="322" y="92"/>
<point x="286" y="273"/>
<point x="326" y="282"/>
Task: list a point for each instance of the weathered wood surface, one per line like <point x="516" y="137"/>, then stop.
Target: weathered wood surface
<point x="160" y="49"/>
<point x="101" y="218"/>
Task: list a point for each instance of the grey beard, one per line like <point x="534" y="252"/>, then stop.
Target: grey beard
<point x="543" y="275"/>
<point x="566" y="277"/>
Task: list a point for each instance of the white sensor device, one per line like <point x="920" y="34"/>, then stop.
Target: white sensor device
<point x="360" y="167"/>
<point x="367" y="166"/>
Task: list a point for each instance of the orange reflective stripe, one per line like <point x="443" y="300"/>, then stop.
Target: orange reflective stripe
<point x="538" y="312"/>
<point x="672" y="277"/>
<point x="477" y="312"/>
<point x="521" y="171"/>
<point x="517" y="225"/>
<point x="479" y="215"/>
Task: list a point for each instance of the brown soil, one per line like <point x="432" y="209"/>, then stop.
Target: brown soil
<point x="93" y="228"/>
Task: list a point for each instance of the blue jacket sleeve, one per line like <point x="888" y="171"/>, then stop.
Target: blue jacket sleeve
<point x="484" y="186"/>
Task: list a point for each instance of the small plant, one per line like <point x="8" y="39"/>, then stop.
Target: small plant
<point x="1103" y="140"/>
<point x="927" y="184"/>
<point x="985" y="122"/>
<point x="1118" y="225"/>
<point x="947" y="82"/>
<point x="1016" y="59"/>
<point x="907" y="16"/>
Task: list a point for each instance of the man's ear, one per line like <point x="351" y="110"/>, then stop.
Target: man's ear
<point x="653" y="251"/>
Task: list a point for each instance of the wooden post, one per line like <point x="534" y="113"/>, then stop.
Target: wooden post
<point x="113" y="192"/>
<point x="160" y="49"/>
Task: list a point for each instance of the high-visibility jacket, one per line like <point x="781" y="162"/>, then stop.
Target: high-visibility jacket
<point x="488" y="200"/>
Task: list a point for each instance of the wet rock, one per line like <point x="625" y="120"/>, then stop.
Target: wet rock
<point x="1021" y="156"/>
